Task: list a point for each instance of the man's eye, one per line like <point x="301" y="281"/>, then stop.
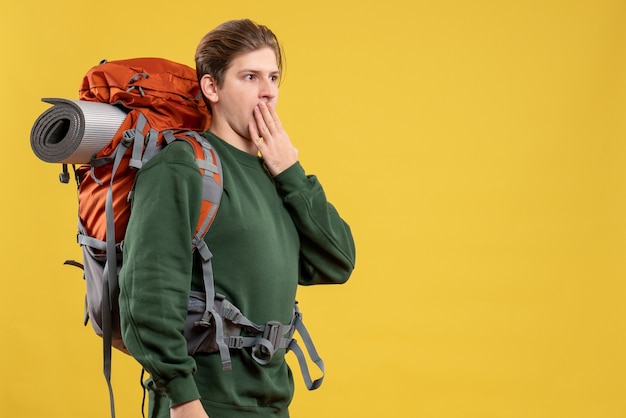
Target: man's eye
<point x="274" y="78"/>
<point x="249" y="77"/>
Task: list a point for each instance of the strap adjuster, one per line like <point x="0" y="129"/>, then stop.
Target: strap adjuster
<point x="235" y="342"/>
<point x="205" y="321"/>
<point x="128" y="136"/>
<point x="272" y="334"/>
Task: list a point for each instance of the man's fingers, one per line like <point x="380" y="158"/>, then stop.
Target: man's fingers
<point x="270" y="117"/>
<point x="272" y="110"/>
<point x="261" y="124"/>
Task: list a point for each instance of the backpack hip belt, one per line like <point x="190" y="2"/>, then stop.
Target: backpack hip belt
<point x="239" y="332"/>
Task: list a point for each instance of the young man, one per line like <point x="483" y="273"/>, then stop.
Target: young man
<point x="274" y="230"/>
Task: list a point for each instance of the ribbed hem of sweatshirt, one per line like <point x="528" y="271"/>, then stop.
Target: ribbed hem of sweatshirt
<point x="291" y="180"/>
<point x="182" y="389"/>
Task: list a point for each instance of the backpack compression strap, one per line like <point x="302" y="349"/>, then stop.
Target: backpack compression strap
<point x="110" y="283"/>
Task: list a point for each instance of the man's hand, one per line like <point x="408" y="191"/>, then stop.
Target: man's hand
<point x="192" y="409"/>
<point x="271" y="140"/>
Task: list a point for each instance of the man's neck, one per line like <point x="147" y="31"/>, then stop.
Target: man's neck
<point x="227" y="134"/>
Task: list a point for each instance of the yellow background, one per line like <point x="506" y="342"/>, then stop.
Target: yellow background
<point x="477" y="149"/>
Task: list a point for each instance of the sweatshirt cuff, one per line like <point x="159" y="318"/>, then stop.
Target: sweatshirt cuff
<point x="182" y="389"/>
<point x="291" y="180"/>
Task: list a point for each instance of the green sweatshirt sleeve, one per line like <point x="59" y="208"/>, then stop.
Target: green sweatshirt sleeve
<point x="156" y="276"/>
<point x="327" y="253"/>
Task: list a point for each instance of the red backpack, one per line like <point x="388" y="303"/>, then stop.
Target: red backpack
<point x="164" y="93"/>
<point x="164" y="103"/>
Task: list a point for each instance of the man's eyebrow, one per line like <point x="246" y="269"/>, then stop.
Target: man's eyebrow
<point x="253" y="71"/>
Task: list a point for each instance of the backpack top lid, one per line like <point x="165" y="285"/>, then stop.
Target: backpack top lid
<point x="169" y="90"/>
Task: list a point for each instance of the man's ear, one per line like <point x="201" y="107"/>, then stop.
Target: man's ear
<point x="209" y="88"/>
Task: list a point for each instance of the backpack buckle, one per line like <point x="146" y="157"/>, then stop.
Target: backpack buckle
<point x="272" y="334"/>
<point x="128" y="136"/>
<point x="235" y="342"/>
<point x="205" y="321"/>
<point x="267" y="343"/>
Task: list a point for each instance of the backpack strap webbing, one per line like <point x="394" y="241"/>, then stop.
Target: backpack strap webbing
<point x="310" y="347"/>
<point x="110" y="283"/>
<point x="274" y="336"/>
<point x="240" y="332"/>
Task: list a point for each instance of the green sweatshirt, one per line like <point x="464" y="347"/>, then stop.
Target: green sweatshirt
<point x="269" y="235"/>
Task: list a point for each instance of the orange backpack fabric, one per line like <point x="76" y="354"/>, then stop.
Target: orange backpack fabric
<point x="167" y="94"/>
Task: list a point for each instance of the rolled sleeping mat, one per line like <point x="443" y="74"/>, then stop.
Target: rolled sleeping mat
<point x="73" y="131"/>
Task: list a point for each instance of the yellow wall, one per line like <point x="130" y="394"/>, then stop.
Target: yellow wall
<point x="477" y="148"/>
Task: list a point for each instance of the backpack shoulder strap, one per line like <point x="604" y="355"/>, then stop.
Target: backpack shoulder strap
<point x="211" y="169"/>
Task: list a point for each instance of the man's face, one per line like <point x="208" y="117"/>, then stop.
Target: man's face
<point x="251" y="78"/>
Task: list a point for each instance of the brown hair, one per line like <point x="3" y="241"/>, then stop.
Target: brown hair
<point x="218" y="48"/>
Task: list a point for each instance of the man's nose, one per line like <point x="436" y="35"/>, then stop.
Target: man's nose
<point x="268" y="90"/>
